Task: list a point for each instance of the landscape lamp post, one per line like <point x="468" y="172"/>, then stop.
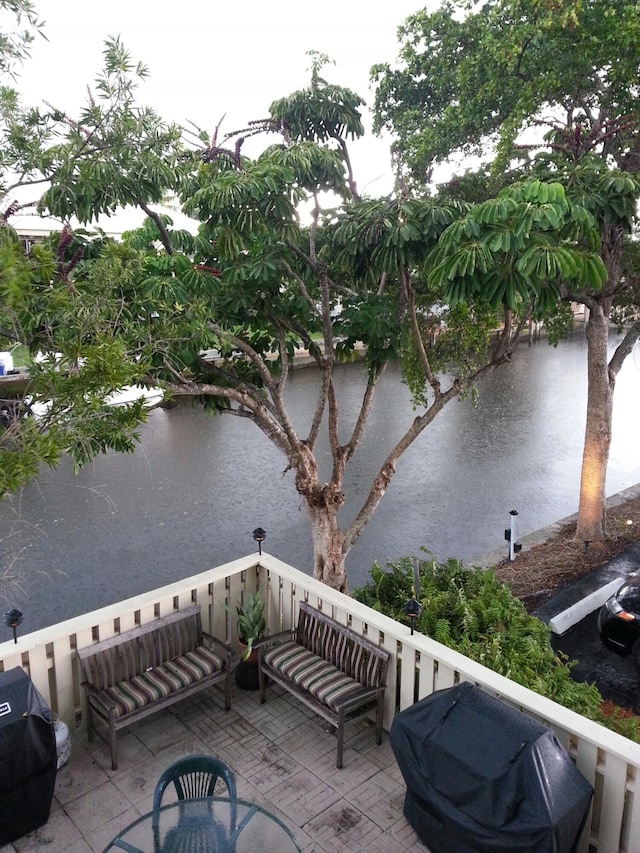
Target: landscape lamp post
<point x="259" y="535"/>
<point x="412" y="609"/>
<point x="12" y="619"/>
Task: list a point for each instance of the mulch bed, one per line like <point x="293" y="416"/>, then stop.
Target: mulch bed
<point x="536" y="574"/>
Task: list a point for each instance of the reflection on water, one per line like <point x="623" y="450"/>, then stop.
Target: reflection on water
<point x="192" y="493"/>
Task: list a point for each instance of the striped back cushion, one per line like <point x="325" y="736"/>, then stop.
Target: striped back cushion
<point x="340" y="646"/>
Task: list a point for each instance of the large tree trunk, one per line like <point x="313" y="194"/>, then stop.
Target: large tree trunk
<point x="323" y="503"/>
<point x="328" y="542"/>
<point x="592" y="508"/>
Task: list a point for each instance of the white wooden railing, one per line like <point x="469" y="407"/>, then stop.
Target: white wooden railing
<point x="610" y="762"/>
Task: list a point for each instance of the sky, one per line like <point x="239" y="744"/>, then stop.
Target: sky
<point x="209" y="60"/>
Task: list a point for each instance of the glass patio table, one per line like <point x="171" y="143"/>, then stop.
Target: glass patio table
<point x="208" y="825"/>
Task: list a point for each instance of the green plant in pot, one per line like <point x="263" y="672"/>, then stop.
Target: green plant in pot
<point x="251" y="622"/>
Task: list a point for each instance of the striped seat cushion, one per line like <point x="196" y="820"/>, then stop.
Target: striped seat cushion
<point x="158" y="682"/>
<point x="311" y="673"/>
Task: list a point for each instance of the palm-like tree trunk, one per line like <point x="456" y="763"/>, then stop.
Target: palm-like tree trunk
<point x="597" y="442"/>
<point x="601" y="373"/>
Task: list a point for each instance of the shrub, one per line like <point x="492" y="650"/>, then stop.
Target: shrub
<point x="470" y="611"/>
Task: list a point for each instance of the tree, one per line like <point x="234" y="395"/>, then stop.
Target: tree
<point x="489" y="78"/>
<point x="474" y="76"/>
<point x="15" y="43"/>
<point x="612" y="197"/>
<point x="112" y="155"/>
<point x="287" y="255"/>
<point x="354" y="272"/>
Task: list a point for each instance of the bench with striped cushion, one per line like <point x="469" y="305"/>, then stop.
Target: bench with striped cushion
<point x="139" y="672"/>
<point x="329" y="667"/>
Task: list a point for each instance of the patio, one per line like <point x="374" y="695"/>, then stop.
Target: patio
<point x="282" y="757"/>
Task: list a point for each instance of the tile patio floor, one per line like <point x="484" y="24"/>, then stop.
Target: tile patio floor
<point x="283" y="759"/>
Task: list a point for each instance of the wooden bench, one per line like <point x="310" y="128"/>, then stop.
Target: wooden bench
<point x="139" y="672"/>
<point x="328" y="667"/>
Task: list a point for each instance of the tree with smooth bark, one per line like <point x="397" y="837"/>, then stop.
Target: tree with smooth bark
<point x="506" y="81"/>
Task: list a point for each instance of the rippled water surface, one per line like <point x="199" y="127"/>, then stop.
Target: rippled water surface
<point x="190" y="496"/>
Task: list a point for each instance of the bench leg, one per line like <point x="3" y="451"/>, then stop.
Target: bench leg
<point x="89" y="719"/>
<point x="340" y="736"/>
<point x="379" y="720"/>
<point x="227" y="691"/>
<point x="113" y="746"/>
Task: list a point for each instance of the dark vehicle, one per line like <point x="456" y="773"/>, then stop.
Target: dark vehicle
<point x="619" y="619"/>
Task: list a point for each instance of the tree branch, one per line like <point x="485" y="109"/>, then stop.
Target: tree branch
<point x="365" y="409"/>
<point x="270" y="384"/>
<point x="316" y="423"/>
<point x="303" y="289"/>
<point x="418" y="425"/>
<point x="253" y="409"/>
<point x="350" y="178"/>
<point x="164" y="234"/>
<point x="431" y="378"/>
<point x="623" y="349"/>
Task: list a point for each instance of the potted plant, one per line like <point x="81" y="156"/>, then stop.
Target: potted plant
<point x="251" y="622"/>
<point x="250" y="625"/>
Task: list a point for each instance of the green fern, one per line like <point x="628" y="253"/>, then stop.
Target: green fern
<point x="470" y="611"/>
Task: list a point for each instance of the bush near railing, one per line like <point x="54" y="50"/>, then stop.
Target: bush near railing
<point x="470" y="611"/>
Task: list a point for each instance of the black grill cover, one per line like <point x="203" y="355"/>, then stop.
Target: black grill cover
<point x="27" y="756"/>
<point x="482" y="777"/>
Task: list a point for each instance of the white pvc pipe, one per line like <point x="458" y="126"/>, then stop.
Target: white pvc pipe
<point x="512" y="538"/>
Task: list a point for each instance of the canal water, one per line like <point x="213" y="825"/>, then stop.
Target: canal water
<point x="191" y="495"/>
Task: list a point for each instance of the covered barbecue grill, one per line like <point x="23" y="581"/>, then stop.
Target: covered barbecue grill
<point x="482" y="777"/>
<point x="28" y="758"/>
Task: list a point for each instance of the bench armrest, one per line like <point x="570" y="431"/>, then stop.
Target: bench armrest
<point x="93" y="691"/>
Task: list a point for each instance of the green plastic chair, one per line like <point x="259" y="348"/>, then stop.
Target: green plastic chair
<point x="192" y="777"/>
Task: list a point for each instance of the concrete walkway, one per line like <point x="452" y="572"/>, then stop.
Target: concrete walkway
<point x="282" y="757"/>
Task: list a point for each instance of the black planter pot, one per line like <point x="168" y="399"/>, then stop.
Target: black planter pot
<point x="247" y="675"/>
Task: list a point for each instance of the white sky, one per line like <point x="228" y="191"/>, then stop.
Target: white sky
<point x="208" y="59"/>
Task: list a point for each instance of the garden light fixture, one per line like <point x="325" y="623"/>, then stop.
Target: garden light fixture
<point x="259" y="535"/>
<point x="412" y="609"/>
<point x="12" y="619"/>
